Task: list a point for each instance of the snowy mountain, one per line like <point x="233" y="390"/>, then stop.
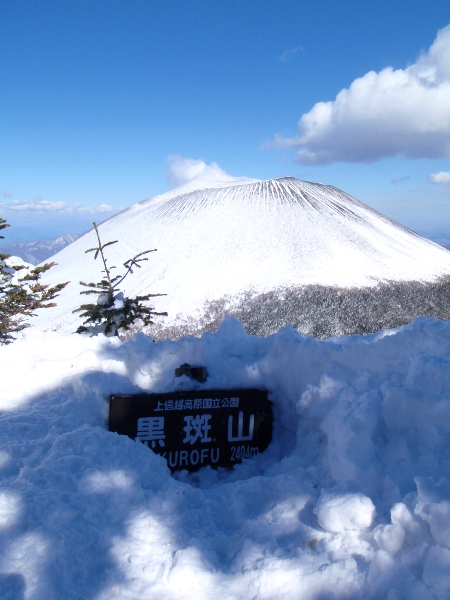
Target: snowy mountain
<point x="222" y="247"/>
<point x="37" y="252"/>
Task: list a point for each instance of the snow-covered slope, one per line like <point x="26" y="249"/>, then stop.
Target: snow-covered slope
<point x="246" y="236"/>
<point x="351" y="501"/>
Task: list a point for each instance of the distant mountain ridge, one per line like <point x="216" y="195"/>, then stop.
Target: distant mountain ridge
<point x="223" y="248"/>
<point x="37" y="252"/>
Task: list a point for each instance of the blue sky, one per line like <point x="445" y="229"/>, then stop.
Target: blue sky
<point x="100" y="99"/>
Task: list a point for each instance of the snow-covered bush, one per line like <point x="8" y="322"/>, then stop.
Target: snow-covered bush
<point x="21" y="293"/>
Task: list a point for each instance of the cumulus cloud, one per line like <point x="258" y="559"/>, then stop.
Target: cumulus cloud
<point x="103" y="208"/>
<point x="182" y="170"/>
<point x="393" y="112"/>
<point x="47" y="206"/>
<point x="441" y="177"/>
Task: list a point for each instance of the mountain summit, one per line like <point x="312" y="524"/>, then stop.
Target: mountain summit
<point x="218" y="246"/>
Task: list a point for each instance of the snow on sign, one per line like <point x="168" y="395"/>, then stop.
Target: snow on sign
<point x="194" y="429"/>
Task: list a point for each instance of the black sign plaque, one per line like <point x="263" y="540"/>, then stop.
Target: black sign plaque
<point x="219" y="428"/>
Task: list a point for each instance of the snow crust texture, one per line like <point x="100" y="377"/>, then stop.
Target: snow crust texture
<point x="350" y="501"/>
<point x="226" y="241"/>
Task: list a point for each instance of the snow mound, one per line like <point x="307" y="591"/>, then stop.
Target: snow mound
<point x="350" y="500"/>
<point x="339" y="512"/>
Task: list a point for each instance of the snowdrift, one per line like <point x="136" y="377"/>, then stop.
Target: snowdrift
<point x="351" y="500"/>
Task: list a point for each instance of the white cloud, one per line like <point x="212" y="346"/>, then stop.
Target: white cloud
<point x="38" y="205"/>
<point x="290" y="52"/>
<point x="104" y="208"/>
<point x="441" y="177"/>
<point x="393" y="112"/>
<point x="182" y="170"/>
<point x="6" y="193"/>
<point x="397" y="180"/>
<point x="47" y="206"/>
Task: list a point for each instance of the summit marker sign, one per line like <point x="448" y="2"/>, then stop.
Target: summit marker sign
<point x="219" y="428"/>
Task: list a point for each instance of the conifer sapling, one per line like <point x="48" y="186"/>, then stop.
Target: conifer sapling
<point x="113" y="312"/>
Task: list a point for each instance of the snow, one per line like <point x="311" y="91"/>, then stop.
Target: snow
<point x="218" y="242"/>
<point x="337" y="512"/>
<point x="351" y="499"/>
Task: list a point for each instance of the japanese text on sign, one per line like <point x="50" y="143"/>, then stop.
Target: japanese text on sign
<point x="195" y="429"/>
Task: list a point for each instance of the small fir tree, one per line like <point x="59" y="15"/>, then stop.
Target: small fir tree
<point x="21" y="295"/>
<point x="113" y="312"/>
